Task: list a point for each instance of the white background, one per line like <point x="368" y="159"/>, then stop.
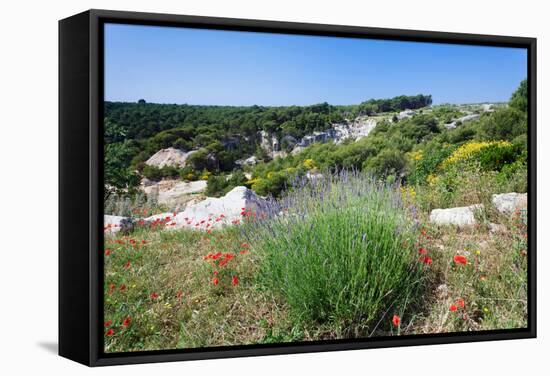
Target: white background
<point x="28" y="173"/>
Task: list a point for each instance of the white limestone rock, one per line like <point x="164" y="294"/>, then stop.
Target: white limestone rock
<point x="217" y="212"/>
<point x="250" y="161"/>
<point x="460" y="216"/>
<point x="508" y="203"/>
<point x="169" y="157"/>
<point x="405" y="114"/>
<point x="115" y="223"/>
<point x="175" y="192"/>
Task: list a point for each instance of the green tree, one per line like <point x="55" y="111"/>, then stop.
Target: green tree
<point x="519" y="98"/>
<point x="118" y="177"/>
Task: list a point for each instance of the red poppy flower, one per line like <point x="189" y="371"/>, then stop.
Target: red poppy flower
<point x="235" y="281"/>
<point x="453" y="308"/>
<point x="215" y="281"/>
<point x="179" y="294"/>
<point x="460" y="260"/>
<point x="107" y="252"/>
<point x="154" y="295"/>
<point x="127" y="265"/>
<point x="216" y="272"/>
<point x="396" y="320"/>
<point x="127" y="321"/>
<point x="108" y="323"/>
<point x="422" y="251"/>
<point x="110" y="332"/>
<point x="245" y="245"/>
<point x="122" y="287"/>
<point x="460" y="302"/>
<point x="426" y="260"/>
<point x="244" y="251"/>
<point x="143" y="242"/>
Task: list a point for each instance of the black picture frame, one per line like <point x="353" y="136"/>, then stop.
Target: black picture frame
<point x="81" y="184"/>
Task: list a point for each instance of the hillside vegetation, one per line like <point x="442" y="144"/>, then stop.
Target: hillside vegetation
<point x="222" y="135"/>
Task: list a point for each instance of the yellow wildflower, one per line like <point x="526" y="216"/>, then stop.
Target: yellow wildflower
<point x="466" y="151"/>
<point x="416" y="155"/>
<point x="432" y="179"/>
<point x="309" y="164"/>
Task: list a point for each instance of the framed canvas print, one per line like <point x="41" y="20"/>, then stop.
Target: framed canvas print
<point x="236" y="187"/>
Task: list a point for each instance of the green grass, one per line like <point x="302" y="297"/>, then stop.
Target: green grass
<point x="339" y="262"/>
<point x="189" y="310"/>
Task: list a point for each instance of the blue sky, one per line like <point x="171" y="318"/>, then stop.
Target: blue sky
<point x="179" y="65"/>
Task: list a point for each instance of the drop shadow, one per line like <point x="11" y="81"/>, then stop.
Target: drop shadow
<point x="50" y="347"/>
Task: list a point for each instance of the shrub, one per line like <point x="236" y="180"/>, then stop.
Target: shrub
<point x="503" y="124"/>
<point x="386" y="163"/>
<point x="215" y="185"/>
<point x="170" y="172"/>
<point x="273" y="184"/>
<point x="219" y="185"/>
<point x="152" y="173"/>
<point x="495" y="156"/>
<point x="470" y="150"/>
<point x="343" y="255"/>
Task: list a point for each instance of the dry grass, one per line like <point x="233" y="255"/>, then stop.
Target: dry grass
<point x="493" y="283"/>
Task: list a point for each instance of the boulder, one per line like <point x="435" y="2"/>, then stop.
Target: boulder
<point x="405" y="114"/>
<point x="250" y="161"/>
<point x="115" y="223"/>
<point x="460" y="216"/>
<point x="278" y="154"/>
<point x="175" y="192"/>
<point x="226" y="210"/>
<point x="508" y="203"/>
<point x="461" y="120"/>
<point x="268" y="142"/>
<point x="169" y="157"/>
<point x="147" y="182"/>
<point x="297" y="150"/>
